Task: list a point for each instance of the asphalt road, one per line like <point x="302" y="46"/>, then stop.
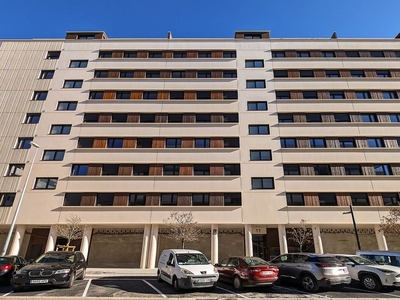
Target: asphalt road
<point x="149" y="288"/>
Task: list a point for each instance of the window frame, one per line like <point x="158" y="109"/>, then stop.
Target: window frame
<point x="267" y="154"/>
<point x="63" y="129"/>
<point x="80" y="63"/>
<point x="73" y="84"/>
<point x="47" y="181"/>
<point x="262" y="183"/>
<point x="255" y="84"/>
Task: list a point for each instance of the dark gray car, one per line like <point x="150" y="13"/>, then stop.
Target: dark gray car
<point x="311" y="270"/>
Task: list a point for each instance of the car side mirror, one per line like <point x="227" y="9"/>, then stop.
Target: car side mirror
<point x="350" y="263"/>
<point x="30" y="261"/>
<point x="217" y="265"/>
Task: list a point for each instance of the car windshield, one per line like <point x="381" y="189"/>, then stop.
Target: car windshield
<point x="255" y="261"/>
<point x="50" y="258"/>
<point x="191" y="259"/>
<point x="5" y="260"/>
<point x="362" y="261"/>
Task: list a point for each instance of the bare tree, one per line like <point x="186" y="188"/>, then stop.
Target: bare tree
<point x="182" y="228"/>
<point x="73" y="230"/>
<point x="390" y="223"/>
<point x="302" y="235"/>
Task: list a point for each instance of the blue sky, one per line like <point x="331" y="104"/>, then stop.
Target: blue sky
<point x="27" y="19"/>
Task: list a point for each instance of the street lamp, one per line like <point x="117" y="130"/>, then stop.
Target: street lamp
<point x="20" y="200"/>
<point x="354" y="224"/>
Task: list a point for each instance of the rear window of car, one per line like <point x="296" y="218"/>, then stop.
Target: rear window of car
<point x="254" y="261"/>
<point x="324" y="259"/>
<point x="5" y="260"/>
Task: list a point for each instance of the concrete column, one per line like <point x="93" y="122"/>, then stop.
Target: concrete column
<point x="248" y="240"/>
<point x="380" y="238"/>
<point x="214" y="244"/>
<point x="87" y="235"/>
<point x="317" y="239"/>
<point x="17" y="240"/>
<point x="153" y="247"/>
<point x="145" y="246"/>
<point x="51" y="240"/>
<point x="282" y="239"/>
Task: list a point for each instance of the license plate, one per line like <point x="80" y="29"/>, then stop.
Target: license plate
<point x="40" y="281"/>
<point x="203" y="280"/>
<point x="267" y="272"/>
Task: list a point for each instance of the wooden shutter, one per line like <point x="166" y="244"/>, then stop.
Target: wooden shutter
<point x="383" y="117"/>
<point x="375" y="199"/>
<point x="191" y="54"/>
<point x="361" y="142"/>
<point x="376" y="95"/>
<point x="332" y="143"/>
<point x="216" y="142"/>
<point x="117" y="54"/>
<point x="167" y="54"/>
<point x="349" y="94"/>
<point x="319" y="73"/>
<point x="100" y="142"/>
<point x="395" y="73"/>
<point x="340" y="53"/>
<point x="125" y="170"/>
<point x="158" y="142"/>
<point x="216" y="199"/>
<point x="139" y="74"/>
<point x="311" y="199"/>
<point x="187" y="142"/>
<point x="323" y="95"/>
<point x="94" y="170"/>
<point x="189" y="118"/>
<point x="327" y="117"/>
<point x="189" y="95"/>
<point x="388" y="53"/>
<point x="395" y="169"/>
<point x="217" y="118"/>
<point x="129" y="142"/>
<point x="121" y="199"/>
<point x="88" y="199"/>
<point x="303" y="143"/>
<point x="161" y="118"/>
<point x="293" y="73"/>
<point x="133" y="118"/>
<point x="338" y="170"/>
<point x="105" y="118"/>
<point x="299" y="118"/>
<point x="307" y="169"/>
<point x="109" y="95"/>
<point x="355" y="117"/>
<point x="364" y="53"/>
<point x="390" y="142"/>
<point x="216" y="54"/>
<point x="153" y="199"/>
<point x="142" y="54"/>
<point x="136" y="95"/>
<point x="185" y="170"/>
<point x="216" y="74"/>
<point x="296" y="95"/>
<point x="216" y="95"/>
<point x="165" y="74"/>
<point x="190" y="74"/>
<point x="370" y="73"/>
<point x="216" y="169"/>
<point x="368" y="169"/>
<point x="163" y="95"/>
<point x="155" y="170"/>
<point x="345" y="73"/>
<point x="343" y="199"/>
<point x="184" y="200"/>
<point x="315" y="53"/>
<point x="290" y="53"/>
<point x="113" y="74"/>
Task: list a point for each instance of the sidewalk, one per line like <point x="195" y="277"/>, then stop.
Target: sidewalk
<point x="106" y="272"/>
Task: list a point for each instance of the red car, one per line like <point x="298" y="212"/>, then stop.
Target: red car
<point x="245" y="271"/>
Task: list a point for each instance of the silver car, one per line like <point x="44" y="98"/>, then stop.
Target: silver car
<point x="372" y="276"/>
<point x="312" y="270"/>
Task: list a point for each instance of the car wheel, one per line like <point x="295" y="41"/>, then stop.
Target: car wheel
<point x="309" y="284"/>
<point x="17" y="288"/>
<point x="71" y="281"/>
<point x="371" y="283"/>
<point x="175" y="285"/>
<point x="159" y="279"/>
<point x="237" y="283"/>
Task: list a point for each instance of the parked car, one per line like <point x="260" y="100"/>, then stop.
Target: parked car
<point x="57" y="268"/>
<point x="382" y="257"/>
<point x="311" y="270"/>
<point x="371" y="275"/>
<point x="244" y="271"/>
<point x="8" y="265"/>
<point x="186" y="269"/>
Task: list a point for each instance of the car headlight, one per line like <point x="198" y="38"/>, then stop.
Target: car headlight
<point x="216" y="270"/>
<point x="62" y="271"/>
<point x="22" y="272"/>
<point x="186" y="271"/>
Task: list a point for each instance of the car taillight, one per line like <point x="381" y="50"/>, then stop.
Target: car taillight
<point x="254" y="270"/>
<point x="322" y="265"/>
<point x="6" y="267"/>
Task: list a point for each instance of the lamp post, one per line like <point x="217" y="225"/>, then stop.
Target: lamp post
<point x="354" y="224"/>
<point x="20" y="200"/>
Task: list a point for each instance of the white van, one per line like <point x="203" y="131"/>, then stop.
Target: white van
<point x="186" y="269"/>
<point x="382" y="257"/>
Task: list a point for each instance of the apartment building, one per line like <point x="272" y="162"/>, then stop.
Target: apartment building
<point x="250" y="134"/>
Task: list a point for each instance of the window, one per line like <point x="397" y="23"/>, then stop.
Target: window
<point x="332" y="73"/>
<point x="24" y="143"/>
<point x="278" y="54"/>
<point x="363" y="95"/>
<point x="397" y="53"/>
<point x="39" y="95"/>
<point x="252" y="36"/>
<point x="147" y="118"/>
<point x="389" y="95"/>
<point x="175" y="118"/>
<point x="383" y="170"/>
<point x="375" y="143"/>
<point x="229" y="54"/>
<point x="310" y="95"/>
<point x="353" y="170"/>
<point x="341" y="117"/>
<point x="357" y="73"/>
<point x="79" y="170"/>
<point x="359" y="199"/>
<point x="141" y="170"/>
<point x="73" y="84"/>
<point x="231" y="118"/>
<point x="178" y="74"/>
<point x="203" y="118"/>
<point x="150" y="95"/>
<point x="130" y="54"/>
<point x="178" y="95"/>
<point x="101" y="74"/>
<point x="383" y="73"/>
<point x="15" y="170"/>
<point x="67" y="105"/>
<point x="144" y="143"/>
<point x="261" y="105"/>
<point x="306" y="73"/>
<point x="60" y="129"/>
<point x="85" y="142"/>
<point x="203" y="74"/>
<point x="201" y="199"/>
<point x="232" y="170"/>
<point x="336" y="95"/>
<point x="258" y="129"/>
<point x="288" y="143"/>
<point x="119" y="118"/>
<point x="114" y="143"/>
<point x="322" y="170"/>
<point x="229" y="94"/>
<point x="229" y="74"/>
<point x="46" y="183"/>
<point x="202" y="95"/>
<point x="179" y="55"/>
<point x="291" y="169"/>
<point x="155" y="54"/>
<point x="173" y="143"/>
<point x="53" y="55"/>
<point x="256" y="155"/>
<point x="110" y="170"/>
<point x="317" y="143"/>
<point x="201" y="170"/>
<point x="232" y="199"/>
<point x="282" y="95"/>
<point x="394" y="117"/>
<point x="169" y="199"/>
<point x="313" y="118"/>
<point x="294" y="199"/>
<point x="303" y="54"/>
<point x="123" y="95"/>
<point x="390" y="199"/>
<point x="105" y="199"/>
<point x="57" y="155"/>
<point x="262" y="183"/>
<point x="72" y="199"/>
<point x="376" y="53"/>
<point x="352" y="54"/>
<point x="328" y="54"/>
<point x="96" y="95"/>
<point x="126" y="74"/>
<point x="256" y="63"/>
<point x="202" y="143"/>
<point x="255" y="84"/>
<point x="327" y="199"/>
<point x="7" y="199"/>
<point x="78" y="63"/>
<point x="137" y="199"/>
<point x="152" y="74"/>
<point x="32" y="118"/>
<point x="280" y="74"/>
<point x="367" y="118"/>
<point x="86" y="36"/>
<point x="46" y="74"/>
<point x="231" y="142"/>
<point x="285" y="118"/>
<point x="105" y="54"/>
<point x="169" y="170"/>
<point x="347" y="143"/>
<point x="204" y="54"/>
